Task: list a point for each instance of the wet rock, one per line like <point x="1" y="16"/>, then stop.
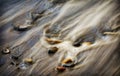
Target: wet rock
<point x="90" y="38"/>
<point x="23" y="27"/>
<point x="60" y="68"/>
<point x="28" y="60"/>
<point x="53" y="41"/>
<point x="52" y="32"/>
<point x="76" y="44"/>
<point x="5" y="51"/>
<point x="67" y="63"/>
<point x="86" y="43"/>
<point x="52" y="50"/>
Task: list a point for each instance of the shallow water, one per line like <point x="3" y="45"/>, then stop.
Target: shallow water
<point x="85" y="32"/>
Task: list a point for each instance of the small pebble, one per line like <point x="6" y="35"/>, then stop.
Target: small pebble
<point x="60" y="68"/>
<point x="86" y="43"/>
<point x="67" y="61"/>
<point x="28" y="60"/>
<point x="23" y="27"/>
<point x="53" y="41"/>
<point x="76" y="44"/>
<point x="52" y="50"/>
<point x="6" y="51"/>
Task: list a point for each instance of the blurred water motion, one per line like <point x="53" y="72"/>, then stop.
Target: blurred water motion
<point x="60" y="37"/>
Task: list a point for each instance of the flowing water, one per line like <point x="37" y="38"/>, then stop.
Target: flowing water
<point x="60" y="38"/>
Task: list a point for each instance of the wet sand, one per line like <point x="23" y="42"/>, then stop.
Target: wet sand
<point x="60" y="38"/>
